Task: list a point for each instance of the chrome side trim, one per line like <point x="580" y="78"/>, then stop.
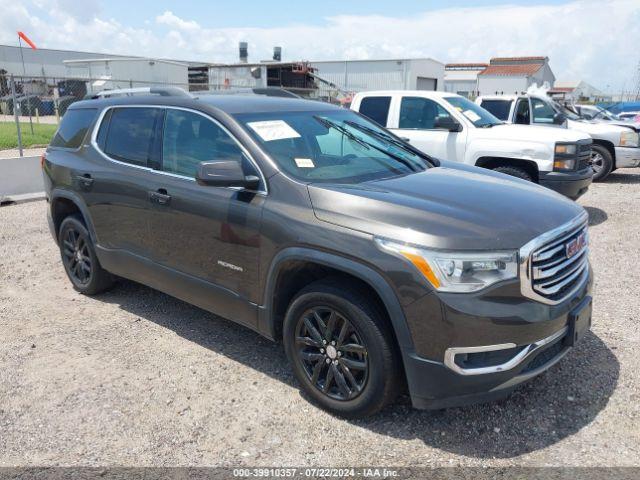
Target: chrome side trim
<point x="550" y="239"/>
<point x="96" y="129"/>
<point x="450" y="355"/>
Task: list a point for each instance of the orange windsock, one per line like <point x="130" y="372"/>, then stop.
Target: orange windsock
<point x="27" y="40"/>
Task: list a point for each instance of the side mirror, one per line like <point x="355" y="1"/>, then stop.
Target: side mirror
<point x="447" y="123"/>
<point x="225" y="173"/>
<point x="559" y="118"/>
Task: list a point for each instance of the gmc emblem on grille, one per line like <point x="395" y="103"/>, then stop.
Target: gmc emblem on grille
<point x="576" y="245"/>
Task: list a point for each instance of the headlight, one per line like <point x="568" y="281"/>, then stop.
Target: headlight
<point x="629" y="139"/>
<point x="564" y="164"/>
<point x="450" y="271"/>
<point x="566" y="148"/>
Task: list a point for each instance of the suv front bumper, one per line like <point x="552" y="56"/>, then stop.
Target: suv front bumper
<point x="538" y="335"/>
<point x="569" y="184"/>
<point x="627" y="157"/>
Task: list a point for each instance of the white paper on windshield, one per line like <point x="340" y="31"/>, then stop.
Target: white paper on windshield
<point x="304" y="163"/>
<point x="471" y="115"/>
<point x="273" y="130"/>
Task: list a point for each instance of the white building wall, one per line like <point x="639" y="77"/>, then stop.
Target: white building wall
<point x="361" y="75"/>
<point x="460" y="86"/>
<point x="41" y="62"/>
<point x="119" y="73"/>
<point x="490" y="85"/>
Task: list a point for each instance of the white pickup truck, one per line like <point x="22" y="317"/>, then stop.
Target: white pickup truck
<point x="614" y="146"/>
<point x="450" y="127"/>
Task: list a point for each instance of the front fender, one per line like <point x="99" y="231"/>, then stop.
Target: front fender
<point x="538" y="152"/>
<point x="266" y="318"/>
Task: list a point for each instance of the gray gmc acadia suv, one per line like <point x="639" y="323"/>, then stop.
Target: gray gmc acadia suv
<point x="380" y="269"/>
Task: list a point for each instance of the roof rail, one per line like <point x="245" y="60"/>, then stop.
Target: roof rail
<point x="126" y="92"/>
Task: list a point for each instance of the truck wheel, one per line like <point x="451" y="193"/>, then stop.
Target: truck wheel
<point x="79" y="258"/>
<point x="601" y="162"/>
<point x="514" y="172"/>
<point x="341" y="349"/>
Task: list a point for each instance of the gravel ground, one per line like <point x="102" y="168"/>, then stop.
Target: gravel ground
<point x="134" y="377"/>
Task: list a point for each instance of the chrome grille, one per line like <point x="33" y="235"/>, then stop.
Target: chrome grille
<point x="557" y="263"/>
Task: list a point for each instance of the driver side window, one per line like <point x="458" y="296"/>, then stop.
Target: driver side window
<point x="542" y="111"/>
<point x="189" y="138"/>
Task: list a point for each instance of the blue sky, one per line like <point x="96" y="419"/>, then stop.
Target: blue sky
<point x="279" y="12"/>
<point x="592" y="40"/>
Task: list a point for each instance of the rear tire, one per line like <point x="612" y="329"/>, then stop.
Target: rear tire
<point x="79" y="258"/>
<point x="514" y="172"/>
<point x="601" y="162"/>
<point x="354" y="373"/>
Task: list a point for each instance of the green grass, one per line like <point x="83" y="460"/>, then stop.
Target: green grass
<point x="42" y="134"/>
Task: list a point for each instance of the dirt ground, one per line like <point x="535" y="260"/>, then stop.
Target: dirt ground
<point x="134" y="377"/>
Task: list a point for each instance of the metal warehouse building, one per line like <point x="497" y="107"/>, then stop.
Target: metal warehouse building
<point x="395" y="74"/>
<point x="128" y="72"/>
<point x="42" y="62"/>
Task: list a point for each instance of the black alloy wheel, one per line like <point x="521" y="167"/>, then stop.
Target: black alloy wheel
<point x="79" y="257"/>
<point x="332" y="353"/>
<point x="76" y="256"/>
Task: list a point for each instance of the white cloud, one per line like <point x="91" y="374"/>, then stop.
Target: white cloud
<point x="591" y="40"/>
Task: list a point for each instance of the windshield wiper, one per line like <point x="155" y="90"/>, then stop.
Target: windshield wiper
<point x="344" y="131"/>
<point x="329" y="124"/>
<point x="388" y="138"/>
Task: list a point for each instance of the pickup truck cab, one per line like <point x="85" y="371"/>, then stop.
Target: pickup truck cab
<point x="451" y="127"/>
<point x="613" y="146"/>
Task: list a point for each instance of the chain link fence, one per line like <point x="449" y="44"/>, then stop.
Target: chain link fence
<point x="31" y="106"/>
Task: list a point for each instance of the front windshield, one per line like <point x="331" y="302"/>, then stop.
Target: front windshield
<point x="606" y="114"/>
<point x="565" y="111"/>
<point x="332" y="146"/>
<point x="477" y="115"/>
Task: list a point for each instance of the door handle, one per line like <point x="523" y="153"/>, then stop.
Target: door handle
<point x="160" y="197"/>
<point x="85" y="181"/>
<point x="408" y="140"/>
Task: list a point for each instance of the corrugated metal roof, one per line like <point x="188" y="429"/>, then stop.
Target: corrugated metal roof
<point x="517" y="70"/>
<point x="496" y="60"/>
<point x="466" y="65"/>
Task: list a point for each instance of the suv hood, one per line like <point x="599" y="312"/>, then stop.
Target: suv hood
<point x="446" y="207"/>
<point x="530" y="133"/>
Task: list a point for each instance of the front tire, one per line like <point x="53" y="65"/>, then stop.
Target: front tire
<point x="341" y="349"/>
<point x="79" y="258"/>
<point x="514" y="172"/>
<point x="601" y="162"/>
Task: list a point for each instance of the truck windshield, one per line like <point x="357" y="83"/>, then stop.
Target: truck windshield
<point x="332" y="146"/>
<point x="473" y="112"/>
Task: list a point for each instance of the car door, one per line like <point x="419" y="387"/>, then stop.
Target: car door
<point x="115" y="190"/>
<point x="415" y="120"/>
<point x="208" y="233"/>
<point x="522" y="112"/>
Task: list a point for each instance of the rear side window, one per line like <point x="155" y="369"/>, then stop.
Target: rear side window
<point x="376" y="108"/>
<point x="73" y="127"/>
<point x="130" y="133"/>
<point x="499" y="108"/>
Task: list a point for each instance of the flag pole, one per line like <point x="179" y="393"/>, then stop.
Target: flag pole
<point x="24" y="73"/>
